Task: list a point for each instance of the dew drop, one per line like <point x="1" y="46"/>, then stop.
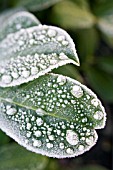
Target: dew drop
<point x="81" y="148"/>
<point x="72" y="137"/>
<point x="11" y="111"/>
<point x="65" y="43"/>
<point x="34" y="70"/>
<point x="98" y="115"/>
<point x="51" y="137"/>
<point x="60" y="38"/>
<point x="77" y="91"/>
<point x="62" y="56"/>
<point x="49" y="145"/>
<point x="25" y="73"/>
<point x="40" y="112"/>
<point x="90" y="140"/>
<point x="6" y="79"/>
<point x="38" y="133"/>
<point x="37" y="143"/>
<point x="39" y="121"/>
<point x="51" y="33"/>
<point x="15" y="75"/>
<point x="61" y="145"/>
<point x="61" y="80"/>
<point x="95" y="102"/>
<point x="69" y="151"/>
<point x="28" y="126"/>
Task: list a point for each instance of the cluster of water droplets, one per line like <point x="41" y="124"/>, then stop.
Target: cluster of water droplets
<point x="52" y="44"/>
<point x="61" y="123"/>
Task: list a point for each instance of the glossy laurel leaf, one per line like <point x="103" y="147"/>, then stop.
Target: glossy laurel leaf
<point x="16" y="22"/>
<point x="53" y="115"/>
<point x="32" y="52"/>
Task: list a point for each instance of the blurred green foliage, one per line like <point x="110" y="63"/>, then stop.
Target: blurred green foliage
<point x="90" y="24"/>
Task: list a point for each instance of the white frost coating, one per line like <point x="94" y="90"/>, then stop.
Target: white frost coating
<point x="77" y="91"/>
<point x="72" y="137"/>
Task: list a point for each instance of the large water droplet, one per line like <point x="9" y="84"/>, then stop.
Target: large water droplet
<point x="72" y="137"/>
<point x="77" y="91"/>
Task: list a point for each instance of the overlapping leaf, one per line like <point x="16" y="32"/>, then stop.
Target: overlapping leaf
<point x="53" y="115"/>
<point x="36" y="5"/>
<point x="17" y="22"/>
<point x="30" y="53"/>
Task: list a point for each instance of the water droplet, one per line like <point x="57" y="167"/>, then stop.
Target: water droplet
<point x="37" y="143"/>
<point x="28" y="126"/>
<point x="40" y="112"/>
<point x="65" y="43"/>
<point x="34" y="70"/>
<point x="98" y="115"/>
<point x="51" y="33"/>
<point x="61" y="80"/>
<point x="81" y="148"/>
<point x="6" y="79"/>
<point x="90" y="140"/>
<point x="11" y="111"/>
<point x="62" y="56"/>
<point x="25" y="73"/>
<point x="69" y="151"/>
<point x="61" y="145"/>
<point x="51" y="137"/>
<point x="60" y="38"/>
<point x="77" y="91"/>
<point x="72" y="137"/>
<point x="38" y="133"/>
<point x="39" y="121"/>
<point x="49" y="145"/>
<point x="95" y="102"/>
<point x="15" y="75"/>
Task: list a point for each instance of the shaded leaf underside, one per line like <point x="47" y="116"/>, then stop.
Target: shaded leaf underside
<point x="53" y="115"/>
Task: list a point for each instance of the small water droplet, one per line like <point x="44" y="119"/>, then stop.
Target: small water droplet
<point x="51" y="33"/>
<point x="40" y="112"/>
<point x="38" y="133"/>
<point x="81" y="148"/>
<point x="34" y="70"/>
<point x="28" y="126"/>
<point x="51" y="137"/>
<point x="37" y="143"/>
<point x="95" y="102"/>
<point x="15" y="75"/>
<point x="90" y="140"/>
<point x="61" y="80"/>
<point x="65" y="43"/>
<point x="61" y="145"/>
<point x="49" y="145"/>
<point x="60" y="38"/>
<point x="39" y="121"/>
<point x="69" y="151"/>
<point x="62" y="56"/>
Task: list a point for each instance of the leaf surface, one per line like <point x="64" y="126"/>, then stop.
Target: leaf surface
<point x="16" y="22"/>
<point x="54" y="115"/>
<point x="30" y="53"/>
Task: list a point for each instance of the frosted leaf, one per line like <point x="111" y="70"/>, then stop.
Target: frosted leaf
<point x="45" y="117"/>
<point x="30" y="53"/>
<point x="17" y="22"/>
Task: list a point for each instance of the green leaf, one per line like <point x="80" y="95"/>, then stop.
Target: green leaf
<point x="71" y="16"/>
<point x="54" y="115"/>
<point x="15" y="157"/>
<point x="30" y="53"/>
<point x="3" y="138"/>
<point x="36" y="5"/>
<point x="101" y="82"/>
<point x="17" y="22"/>
<point x="106" y="64"/>
<point x="87" y="41"/>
